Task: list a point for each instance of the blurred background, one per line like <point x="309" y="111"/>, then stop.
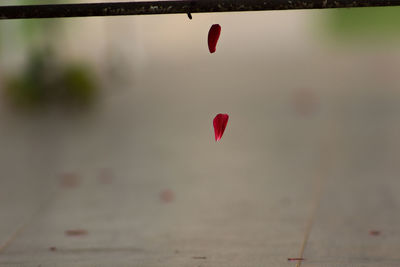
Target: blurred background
<point x="107" y="152"/>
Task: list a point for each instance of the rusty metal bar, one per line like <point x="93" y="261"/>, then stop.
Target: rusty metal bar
<point x="174" y="7"/>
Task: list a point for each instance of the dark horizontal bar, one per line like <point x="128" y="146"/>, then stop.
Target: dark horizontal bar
<point x="174" y="7"/>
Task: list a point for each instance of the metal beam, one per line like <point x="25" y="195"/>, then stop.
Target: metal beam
<point x="174" y="7"/>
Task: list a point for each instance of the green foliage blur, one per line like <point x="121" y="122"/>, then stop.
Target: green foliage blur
<point x="370" y="23"/>
<point x="43" y="80"/>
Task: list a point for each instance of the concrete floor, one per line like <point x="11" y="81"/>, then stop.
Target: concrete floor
<point x="307" y="168"/>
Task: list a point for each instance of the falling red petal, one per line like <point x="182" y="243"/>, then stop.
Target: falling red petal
<point x="220" y="121"/>
<point x="213" y="36"/>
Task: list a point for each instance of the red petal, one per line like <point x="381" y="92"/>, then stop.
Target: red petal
<point x="213" y="36"/>
<point x="220" y="121"/>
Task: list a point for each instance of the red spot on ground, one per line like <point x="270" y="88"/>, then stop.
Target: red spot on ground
<point x="76" y="232"/>
<point x="220" y="121"/>
<point x="105" y="176"/>
<point x="305" y="102"/>
<point x="374" y="232"/>
<point x="70" y="180"/>
<point x="52" y="248"/>
<point x="295" y="259"/>
<point x="213" y="36"/>
<point x="167" y="196"/>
